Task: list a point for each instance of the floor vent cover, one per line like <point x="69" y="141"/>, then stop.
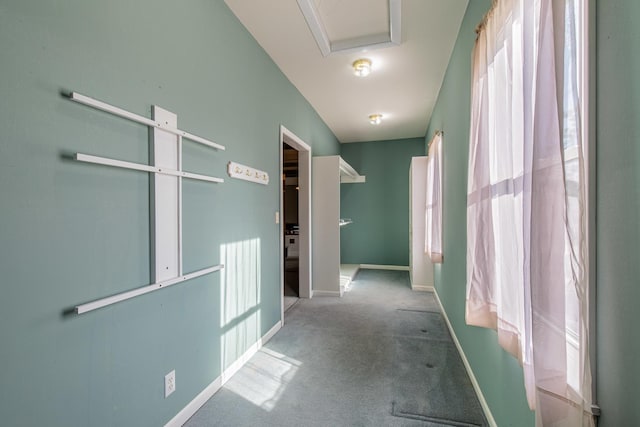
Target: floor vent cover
<point x="420" y="417"/>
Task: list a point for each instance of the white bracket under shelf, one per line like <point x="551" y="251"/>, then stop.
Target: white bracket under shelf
<point x="348" y="174"/>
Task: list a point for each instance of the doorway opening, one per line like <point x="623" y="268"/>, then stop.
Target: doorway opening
<point x="295" y="224"/>
<point x="290" y="190"/>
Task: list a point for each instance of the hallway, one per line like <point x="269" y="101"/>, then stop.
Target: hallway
<point x="379" y="356"/>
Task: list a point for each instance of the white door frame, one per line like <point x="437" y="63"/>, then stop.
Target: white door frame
<point x="304" y="214"/>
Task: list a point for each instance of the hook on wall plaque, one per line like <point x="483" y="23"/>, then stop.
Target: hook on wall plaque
<point x="247" y="173"/>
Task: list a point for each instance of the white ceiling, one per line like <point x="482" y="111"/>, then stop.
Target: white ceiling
<point x="405" y="80"/>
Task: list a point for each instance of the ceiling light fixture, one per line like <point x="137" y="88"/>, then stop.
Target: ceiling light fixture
<point x="375" y="119"/>
<point x="362" y="67"/>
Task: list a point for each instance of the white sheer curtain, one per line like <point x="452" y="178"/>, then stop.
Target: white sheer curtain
<point x="433" y="215"/>
<point x="525" y="203"/>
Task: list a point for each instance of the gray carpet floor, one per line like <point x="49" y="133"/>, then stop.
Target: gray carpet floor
<point x="379" y="356"/>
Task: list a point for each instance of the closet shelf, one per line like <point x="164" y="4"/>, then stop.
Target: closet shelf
<point x="345" y="221"/>
<point x="348" y="174"/>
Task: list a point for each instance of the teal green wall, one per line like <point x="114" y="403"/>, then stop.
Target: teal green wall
<point x="379" y="208"/>
<point x="618" y="211"/>
<point x="499" y="374"/>
<point x="74" y="232"/>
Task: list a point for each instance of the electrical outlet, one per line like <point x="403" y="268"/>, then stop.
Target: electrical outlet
<point x="169" y="383"/>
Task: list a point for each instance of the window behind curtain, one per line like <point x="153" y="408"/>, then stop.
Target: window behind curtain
<point x="526" y="202"/>
<point x="433" y="213"/>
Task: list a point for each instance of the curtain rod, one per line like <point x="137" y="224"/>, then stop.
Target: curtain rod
<point x="436" y="133"/>
<point x="486" y="17"/>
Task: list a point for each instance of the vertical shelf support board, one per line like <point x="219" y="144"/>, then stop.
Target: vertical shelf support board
<point x="166" y="200"/>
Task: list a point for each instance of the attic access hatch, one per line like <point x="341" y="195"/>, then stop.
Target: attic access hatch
<point x="341" y="27"/>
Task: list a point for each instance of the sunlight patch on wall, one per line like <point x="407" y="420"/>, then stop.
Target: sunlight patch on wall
<point x="240" y="318"/>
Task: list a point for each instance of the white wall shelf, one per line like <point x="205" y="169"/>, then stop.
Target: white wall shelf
<point x="166" y="196"/>
<point x="164" y="125"/>
<point x="103" y="302"/>
<point x="87" y="158"/>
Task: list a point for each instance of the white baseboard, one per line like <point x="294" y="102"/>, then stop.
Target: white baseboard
<point x="321" y="293"/>
<point x="193" y="406"/>
<point x="472" y="377"/>
<point x="385" y="267"/>
<point x="423" y="288"/>
<point x="235" y="366"/>
<point x="349" y="271"/>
